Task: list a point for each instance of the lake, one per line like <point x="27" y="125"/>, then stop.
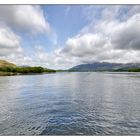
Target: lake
<point x="88" y="103"/>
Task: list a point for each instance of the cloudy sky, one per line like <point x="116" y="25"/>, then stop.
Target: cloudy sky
<point x="62" y="36"/>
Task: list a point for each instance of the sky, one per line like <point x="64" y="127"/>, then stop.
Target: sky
<point x="62" y="36"/>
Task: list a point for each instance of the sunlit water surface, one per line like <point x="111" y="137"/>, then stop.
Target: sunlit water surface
<point x="70" y="104"/>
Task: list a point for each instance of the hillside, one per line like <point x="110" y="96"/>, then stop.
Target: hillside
<point x="7" y="69"/>
<point x="104" y="66"/>
<point x="4" y="63"/>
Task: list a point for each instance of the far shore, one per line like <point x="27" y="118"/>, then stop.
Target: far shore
<point x="14" y="74"/>
<point x="12" y="71"/>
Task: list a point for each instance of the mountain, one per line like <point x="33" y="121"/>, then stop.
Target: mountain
<point x="4" y="63"/>
<point x="105" y="66"/>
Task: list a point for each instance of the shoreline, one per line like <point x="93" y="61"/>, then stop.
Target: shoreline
<point x="15" y="74"/>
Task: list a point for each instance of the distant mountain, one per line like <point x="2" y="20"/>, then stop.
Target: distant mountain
<point x="105" y="66"/>
<point x="24" y="66"/>
<point x="4" y="63"/>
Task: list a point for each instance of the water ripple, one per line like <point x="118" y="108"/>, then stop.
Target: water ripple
<point x="70" y="104"/>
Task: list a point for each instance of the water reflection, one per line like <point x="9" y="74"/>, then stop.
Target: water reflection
<point x="70" y="104"/>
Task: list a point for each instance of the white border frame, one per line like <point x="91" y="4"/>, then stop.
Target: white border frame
<point x="69" y="1"/>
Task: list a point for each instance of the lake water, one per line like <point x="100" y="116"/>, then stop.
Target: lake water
<point x="86" y="103"/>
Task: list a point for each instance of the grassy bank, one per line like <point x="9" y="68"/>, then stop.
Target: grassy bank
<point x="134" y="70"/>
<point x="7" y="73"/>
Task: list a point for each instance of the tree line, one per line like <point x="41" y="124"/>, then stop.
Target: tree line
<point x="25" y="69"/>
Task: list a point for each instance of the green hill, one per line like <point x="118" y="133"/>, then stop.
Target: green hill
<point x="7" y="69"/>
<point x="4" y="63"/>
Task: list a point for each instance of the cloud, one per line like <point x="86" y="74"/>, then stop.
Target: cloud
<point x="9" y="42"/>
<point x="84" y="45"/>
<point x="54" y="59"/>
<point x="112" y="40"/>
<point x="126" y="35"/>
<point x="10" y="47"/>
<point x="16" y="20"/>
<point x="25" y="18"/>
<point x="111" y="35"/>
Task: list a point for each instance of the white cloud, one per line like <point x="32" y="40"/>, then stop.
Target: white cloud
<point x="10" y="47"/>
<point x="84" y="45"/>
<point x="53" y="59"/>
<point x="126" y="35"/>
<point x="15" y="19"/>
<point x="25" y="18"/>
<point x="112" y="35"/>
<point x="9" y="42"/>
<point x="110" y="40"/>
